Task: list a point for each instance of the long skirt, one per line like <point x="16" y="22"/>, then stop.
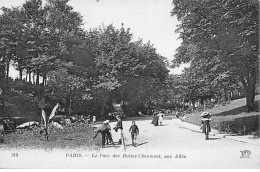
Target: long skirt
<point x="160" y="120"/>
<point x="155" y="120"/>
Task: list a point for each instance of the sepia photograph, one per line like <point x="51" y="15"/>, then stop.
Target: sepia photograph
<point x="129" y="84"/>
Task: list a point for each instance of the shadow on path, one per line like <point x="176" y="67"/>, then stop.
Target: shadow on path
<point x="130" y="145"/>
<point x="191" y="130"/>
<point x="112" y="146"/>
<point x="214" y="138"/>
<point x="140" y="144"/>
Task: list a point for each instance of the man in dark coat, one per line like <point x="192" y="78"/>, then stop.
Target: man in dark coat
<point x="205" y="124"/>
<point x="118" y="128"/>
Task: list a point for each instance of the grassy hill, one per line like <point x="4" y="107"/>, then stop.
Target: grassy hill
<point x="231" y="118"/>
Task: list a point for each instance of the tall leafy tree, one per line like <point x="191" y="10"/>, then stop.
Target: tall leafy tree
<point x="220" y="40"/>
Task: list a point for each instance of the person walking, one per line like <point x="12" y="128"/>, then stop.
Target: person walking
<point x="94" y="119"/>
<point x="119" y="128"/>
<point x="109" y="134"/>
<point x="155" y="118"/>
<point x="105" y="133"/>
<point x="205" y="126"/>
<point x="160" y="118"/>
<point x="134" y="132"/>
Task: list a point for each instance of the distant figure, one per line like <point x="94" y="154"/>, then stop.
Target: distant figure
<point x="105" y="132"/>
<point x="205" y="124"/>
<point x="2" y="130"/>
<point x="1" y="133"/>
<point x="94" y="119"/>
<point x="155" y="118"/>
<point x="67" y="121"/>
<point x="82" y="120"/>
<point x="109" y="134"/>
<point x="88" y="119"/>
<point x="73" y="119"/>
<point x="119" y="128"/>
<point x="160" y="118"/>
<point x="134" y="132"/>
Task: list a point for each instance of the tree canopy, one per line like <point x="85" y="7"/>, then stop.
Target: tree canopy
<point x="83" y="70"/>
<point x="221" y="41"/>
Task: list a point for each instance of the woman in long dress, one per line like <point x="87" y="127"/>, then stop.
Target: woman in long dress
<point x="155" y="118"/>
<point x="160" y="118"/>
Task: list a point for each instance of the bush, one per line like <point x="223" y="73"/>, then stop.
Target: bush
<point x="256" y="133"/>
<point x="2" y="140"/>
<point x="189" y="110"/>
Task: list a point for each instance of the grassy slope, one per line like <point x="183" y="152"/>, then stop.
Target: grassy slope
<point x="231" y="117"/>
<point x="78" y="138"/>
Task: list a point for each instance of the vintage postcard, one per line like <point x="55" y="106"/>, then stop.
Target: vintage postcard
<point x="129" y="84"/>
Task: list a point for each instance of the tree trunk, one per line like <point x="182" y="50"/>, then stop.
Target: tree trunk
<point x="33" y="79"/>
<point x="7" y="71"/>
<point x="30" y="77"/>
<point x="44" y="79"/>
<point x="2" y="87"/>
<point x="20" y="73"/>
<point x="37" y="86"/>
<point x="70" y="105"/>
<point x="102" y="110"/>
<point x="225" y="94"/>
<point x="249" y="87"/>
<point x="26" y="76"/>
<point x="250" y="98"/>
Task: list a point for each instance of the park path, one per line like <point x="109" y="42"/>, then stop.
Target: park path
<point x="173" y="145"/>
<point x="175" y="139"/>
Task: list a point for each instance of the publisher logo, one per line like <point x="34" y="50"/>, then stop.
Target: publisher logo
<point x="245" y="154"/>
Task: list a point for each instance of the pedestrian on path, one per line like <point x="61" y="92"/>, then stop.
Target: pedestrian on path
<point x="205" y="124"/>
<point x="155" y="118"/>
<point x="105" y="133"/>
<point x="119" y="128"/>
<point x="160" y="118"/>
<point x="94" y="119"/>
<point x="134" y="132"/>
<point x="109" y="134"/>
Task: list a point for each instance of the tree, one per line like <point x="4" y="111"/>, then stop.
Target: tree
<point x="36" y="38"/>
<point x="61" y="86"/>
<point x="220" y="38"/>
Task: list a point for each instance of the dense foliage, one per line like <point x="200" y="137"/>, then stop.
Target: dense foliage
<point x="221" y="42"/>
<point x="59" y="61"/>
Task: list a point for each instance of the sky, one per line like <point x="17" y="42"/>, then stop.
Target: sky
<point x="147" y="19"/>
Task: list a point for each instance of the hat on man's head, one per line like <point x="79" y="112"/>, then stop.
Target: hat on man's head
<point x="205" y="114"/>
<point x="106" y="122"/>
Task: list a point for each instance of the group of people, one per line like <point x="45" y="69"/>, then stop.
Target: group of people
<point x="158" y="117"/>
<point x="106" y="136"/>
<point x="105" y="129"/>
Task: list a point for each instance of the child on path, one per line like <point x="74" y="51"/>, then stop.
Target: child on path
<point x="205" y="124"/>
<point x="134" y="132"/>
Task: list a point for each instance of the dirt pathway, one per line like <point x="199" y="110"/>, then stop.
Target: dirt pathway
<point x="167" y="146"/>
